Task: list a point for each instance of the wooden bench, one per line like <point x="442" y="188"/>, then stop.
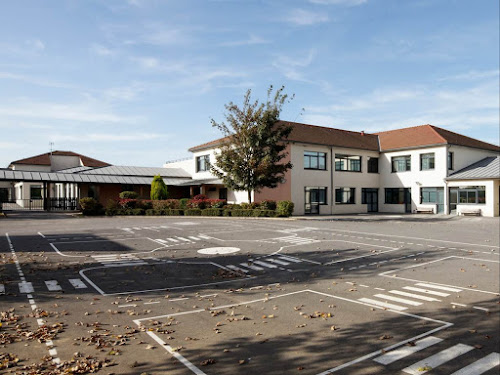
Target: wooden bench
<point x="470" y="212"/>
<point x="424" y="211"/>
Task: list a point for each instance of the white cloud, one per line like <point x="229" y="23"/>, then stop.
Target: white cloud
<point x="109" y="137"/>
<point x="101" y="50"/>
<point x="34" y="80"/>
<point x="290" y="67"/>
<point x="126" y="93"/>
<point x="302" y="17"/>
<point x="339" y="2"/>
<point x="251" y="40"/>
<point x="35" y="44"/>
<point x="472" y="75"/>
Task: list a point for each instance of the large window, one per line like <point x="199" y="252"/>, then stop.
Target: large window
<point x="427" y="161"/>
<point x="36" y="192"/>
<point x="401" y="163"/>
<point x="202" y="163"/>
<point x="314" y="160"/>
<point x="315" y="195"/>
<point x="395" y="195"/>
<point x="347" y="163"/>
<point x="345" y="195"/>
<point x="450" y="160"/>
<point x="471" y="195"/>
<point x="372" y="165"/>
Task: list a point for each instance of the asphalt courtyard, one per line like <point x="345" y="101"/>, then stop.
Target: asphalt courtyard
<point x="350" y="295"/>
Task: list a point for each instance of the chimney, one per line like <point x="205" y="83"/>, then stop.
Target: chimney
<point x="362" y="132"/>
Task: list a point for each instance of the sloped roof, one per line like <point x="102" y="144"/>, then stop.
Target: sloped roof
<point x="314" y="134"/>
<point x="427" y="135"/>
<point x="44" y="159"/>
<point x="485" y="168"/>
<point x="117" y="170"/>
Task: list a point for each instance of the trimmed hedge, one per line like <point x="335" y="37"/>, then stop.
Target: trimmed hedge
<point x="128" y="195"/>
<point x="192" y="212"/>
<point x="284" y="208"/>
<point x="91" y="207"/>
<point x="242" y="213"/>
<point x="211" y="212"/>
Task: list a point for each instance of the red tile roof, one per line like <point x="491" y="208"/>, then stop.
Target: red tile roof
<point x="427" y="135"/>
<point x="319" y="135"/>
<point x="44" y="159"/>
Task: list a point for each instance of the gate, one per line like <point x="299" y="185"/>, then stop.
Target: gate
<point x="51" y="204"/>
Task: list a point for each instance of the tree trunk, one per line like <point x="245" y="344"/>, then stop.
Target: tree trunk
<point x="249" y="196"/>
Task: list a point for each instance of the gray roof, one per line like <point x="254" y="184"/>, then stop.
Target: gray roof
<point x="205" y="181"/>
<point x="75" y="169"/>
<point x="11" y="175"/>
<point x="485" y="168"/>
<point x="116" y="170"/>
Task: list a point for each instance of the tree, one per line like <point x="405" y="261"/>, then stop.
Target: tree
<point x="254" y="144"/>
<point x="158" y="188"/>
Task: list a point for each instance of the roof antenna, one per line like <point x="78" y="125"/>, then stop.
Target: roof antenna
<point x="51" y="145"/>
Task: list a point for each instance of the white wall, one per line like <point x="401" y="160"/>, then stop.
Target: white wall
<point x="59" y="162"/>
<point x="31" y="167"/>
<point x="491" y="207"/>
<point x="465" y="156"/>
<point x="187" y="165"/>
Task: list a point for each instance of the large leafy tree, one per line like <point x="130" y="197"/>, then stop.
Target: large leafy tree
<point x="253" y="148"/>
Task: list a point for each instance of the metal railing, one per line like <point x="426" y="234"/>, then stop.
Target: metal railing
<point x="51" y="204"/>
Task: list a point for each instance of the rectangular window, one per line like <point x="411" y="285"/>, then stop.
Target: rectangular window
<point x="316" y="195"/>
<point x="401" y="163"/>
<point x="314" y="160"/>
<point x="367" y="191"/>
<point x="427" y="161"/>
<point x="372" y="165"/>
<point x="36" y="192"/>
<point x="450" y="160"/>
<point x="223" y="193"/>
<point x="347" y="163"/>
<point x="470" y="194"/>
<point x="345" y="195"/>
<point x="395" y="195"/>
<point x="202" y="163"/>
<point x="429" y="195"/>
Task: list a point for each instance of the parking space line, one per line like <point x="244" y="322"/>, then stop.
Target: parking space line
<point x="481" y="308"/>
<point x="397" y="299"/>
<point x="405" y="351"/>
<point x="415" y="296"/>
<point x="425" y="291"/>
<point x="382" y="304"/>
<point x="439" y="287"/>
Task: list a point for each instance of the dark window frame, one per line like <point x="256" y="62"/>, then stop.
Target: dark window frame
<point x="202" y="163"/>
<point x="406" y="159"/>
<point x="431" y="156"/>
<point x="309" y="156"/>
<point x="341" y="192"/>
<point x="321" y="191"/>
<point x="394" y="196"/>
<point x="348" y="160"/>
<point x="372" y="167"/>
<point x="450" y="160"/>
<point x="478" y="192"/>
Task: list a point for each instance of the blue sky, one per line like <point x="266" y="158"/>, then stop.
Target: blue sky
<point x="136" y="82"/>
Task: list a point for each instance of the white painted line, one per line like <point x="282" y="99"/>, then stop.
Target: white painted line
<point x="234" y="268"/>
<point x="364" y="286"/>
<point x="34" y="307"/>
<point x="151" y="303"/>
<point x="53" y="352"/>
<point x="208" y="295"/>
<point x="172" y="240"/>
<point x="49" y="343"/>
<point x="437" y="359"/>
<point x="117" y="264"/>
<point x="56" y="360"/>
<point x="53" y="285"/>
<point x="382" y="304"/>
<point x="40" y="322"/>
<point x="31" y="301"/>
<point x="480" y="366"/>
<point x="458" y="304"/>
<point x="397" y="299"/>
<point x="204" y="237"/>
<point x="194" y="238"/>
<point x="405" y="351"/>
<point x="41" y="235"/>
<point x="183" y="239"/>
<point x="362" y="266"/>
<point x="379" y="288"/>
<point x="289" y="258"/>
<point x="420" y="290"/>
<point x="252" y="267"/>
<point x="415" y="296"/>
<point x="128" y="305"/>
<point x="178" y="299"/>
<point x="2" y="289"/>
<point x="439" y="287"/>
<point x="280" y="262"/>
<point x="481" y="308"/>
<point x="264" y="264"/>
<point x="160" y="240"/>
<point x="136" y="228"/>
<point x="77" y="283"/>
<point x="26" y="287"/>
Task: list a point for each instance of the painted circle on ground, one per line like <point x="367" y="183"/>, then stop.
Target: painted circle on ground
<point x="219" y="250"/>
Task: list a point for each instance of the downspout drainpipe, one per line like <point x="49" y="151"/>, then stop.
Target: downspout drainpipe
<point x="331" y="181"/>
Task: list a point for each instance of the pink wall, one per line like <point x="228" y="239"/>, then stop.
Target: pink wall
<point x="282" y="191"/>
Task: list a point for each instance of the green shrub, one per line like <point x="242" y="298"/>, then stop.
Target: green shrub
<point x="183" y="203"/>
<point x="166" y="204"/>
<point x="268" y="204"/>
<point x="137" y="211"/>
<point x="176" y="212"/>
<point x="226" y="212"/>
<point x="284" y="208"/>
<point x="245" y="206"/>
<point x="90" y="207"/>
<point x="263" y="213"/>
<point x="158" y="188"/>
<point x="128" y="195"/>
<point x="211" y="212"/>
<point x="151" y="212"/>
<point x="192" y="212"/>
<point x="242" y="213"/>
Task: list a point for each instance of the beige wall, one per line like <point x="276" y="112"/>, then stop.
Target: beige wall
<point x="59" y="162"/>
<point x="30" y="167"/>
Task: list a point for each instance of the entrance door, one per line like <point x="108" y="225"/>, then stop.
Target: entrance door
<point x="370" y="198"/>
<point x="440" y="200"/>
<point x="453" y="200"/>
<point x="311" y="200"/>
<point x="407" y="199"/>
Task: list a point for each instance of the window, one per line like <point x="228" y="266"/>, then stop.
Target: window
<point x="316" y="195"/>
<point x="314" y="160"/>
<point x="202" y="163"/>
<point x="368" y="191"/>
<point x="401" y="163"/>
<point x="395" y="195"/>
<point x="344" y="195"/>
<point x="426" y="161"/>
<point x="450" y="160"/>
<point x="127" y="187"/>
<point x="471" y="194"/>
<point x="36" y="192"/>
<point x="223" y="193"/>
<point x="429" y="195"/>
<point x="372" y="165"/>
<point x="347" y="163"/>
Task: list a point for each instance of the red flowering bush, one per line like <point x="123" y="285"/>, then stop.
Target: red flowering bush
<point x="200" y="197"/>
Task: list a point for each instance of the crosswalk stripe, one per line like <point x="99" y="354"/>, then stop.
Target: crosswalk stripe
<point x="446" y="288"/>
<point x="291" y="259"/>
<point x="183" y="239"/>
<point x="482" y="365"/>
<point x="382" y="304"/>
<point x="415" y="296"/>
<point x="280" y="262"/>
<point x="194" y="238"/>
<point x="160" y="240"/>
<point x="252" y="267"/>
<point x="172" y="239"/>
<point x="396" y="299"/>
<point x="26" y="287"/>
<point x="397" y="354"/>
<point x="136" y="228"/>
<point x="437" y="359"/>
<point x="234" y="268"/>
<point x="264" y="264"/>
<point x="53" y="285"/>
<point x="77" y="283"/>
<point x="204" y="237"/>
<point x="2" y="289"/>
<point x="420" y="290"/>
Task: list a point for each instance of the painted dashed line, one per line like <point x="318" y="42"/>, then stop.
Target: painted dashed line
<point x="481" y="308"/>
<point x="458" y="304"/>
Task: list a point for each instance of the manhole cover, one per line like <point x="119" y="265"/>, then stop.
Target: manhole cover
<point x="219" y="250"/>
